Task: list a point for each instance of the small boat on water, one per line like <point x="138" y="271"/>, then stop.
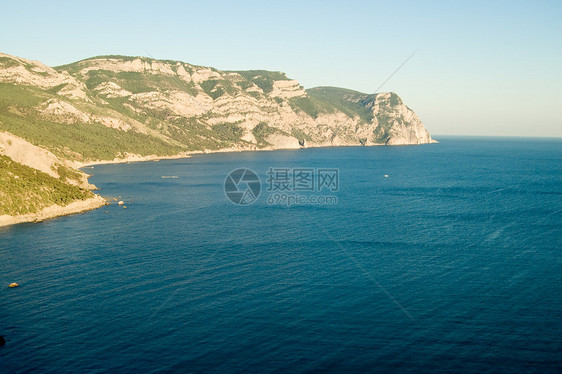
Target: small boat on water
<point x="170" y="177"/>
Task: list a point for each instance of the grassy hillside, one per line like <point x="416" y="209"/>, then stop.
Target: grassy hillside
<point x="19" y="116"/>
<point x="26" y="190"/>
<point x="108" y="107"/>
<point x="347" y="101"/>
<point x="186" y="133"/>
<point x="262" y="78"/>
<point x="205" y="127"/>
<point x="138" y="82"/>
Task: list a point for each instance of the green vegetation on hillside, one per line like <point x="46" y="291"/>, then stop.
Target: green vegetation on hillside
<point x="262" y="78"/>
<point x="228" y="132"/>
<point x="218" y="87"/>
<point x="66" y="174"/>
<point x="21" y="96"/>
<point x="7" y="62"/>
<point x="26" y="190"/>
<point x="137" y="82"/>
<point x="197" y="136"/>
<point x="309" y="105"/>
<point x="349" y="102"/>
<point x="93" y="141"/>
<point x="381" y="133"/>
<point x="261" y="132"/>
<point x="167" y="113"/>
<point x="172" y="129"/>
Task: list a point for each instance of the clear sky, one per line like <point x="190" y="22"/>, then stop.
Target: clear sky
<point x="480" y="67"/>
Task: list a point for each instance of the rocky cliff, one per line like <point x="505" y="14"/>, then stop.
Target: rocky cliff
<point x="174" y="107"/>
<point x="54" y="119"/>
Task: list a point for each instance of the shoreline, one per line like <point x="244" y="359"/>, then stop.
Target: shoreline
<point x="97" y="201"/>
<point x="54" y="211"/>
<point x="137" y="158"/>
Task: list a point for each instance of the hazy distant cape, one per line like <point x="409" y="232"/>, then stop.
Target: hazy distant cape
<point x="115" y="107"/>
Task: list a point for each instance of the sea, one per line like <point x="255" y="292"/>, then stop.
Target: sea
<point x="433" y="258"/>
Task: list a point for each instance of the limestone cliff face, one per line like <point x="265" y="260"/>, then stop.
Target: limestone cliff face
<point x="199" y="108"/>
<point x="397" y="124"/>
<point x="21" y="71"/>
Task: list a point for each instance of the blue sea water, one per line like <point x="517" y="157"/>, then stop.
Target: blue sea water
<point x="451" y="263"/>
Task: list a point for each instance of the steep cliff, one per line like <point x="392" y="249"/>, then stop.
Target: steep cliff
<point x="158" y="107"/>
<point x="117" y="108"/>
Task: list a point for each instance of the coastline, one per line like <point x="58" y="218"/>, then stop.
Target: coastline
<point x="53" y="211"/>
<point x="131" y="158"/>
<point x="137" y="158"/>
<point x="97" y="201"/>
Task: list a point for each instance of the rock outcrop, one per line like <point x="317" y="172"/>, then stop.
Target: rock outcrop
<point x="201" y="108"/>
<point x="116" y="108"/>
